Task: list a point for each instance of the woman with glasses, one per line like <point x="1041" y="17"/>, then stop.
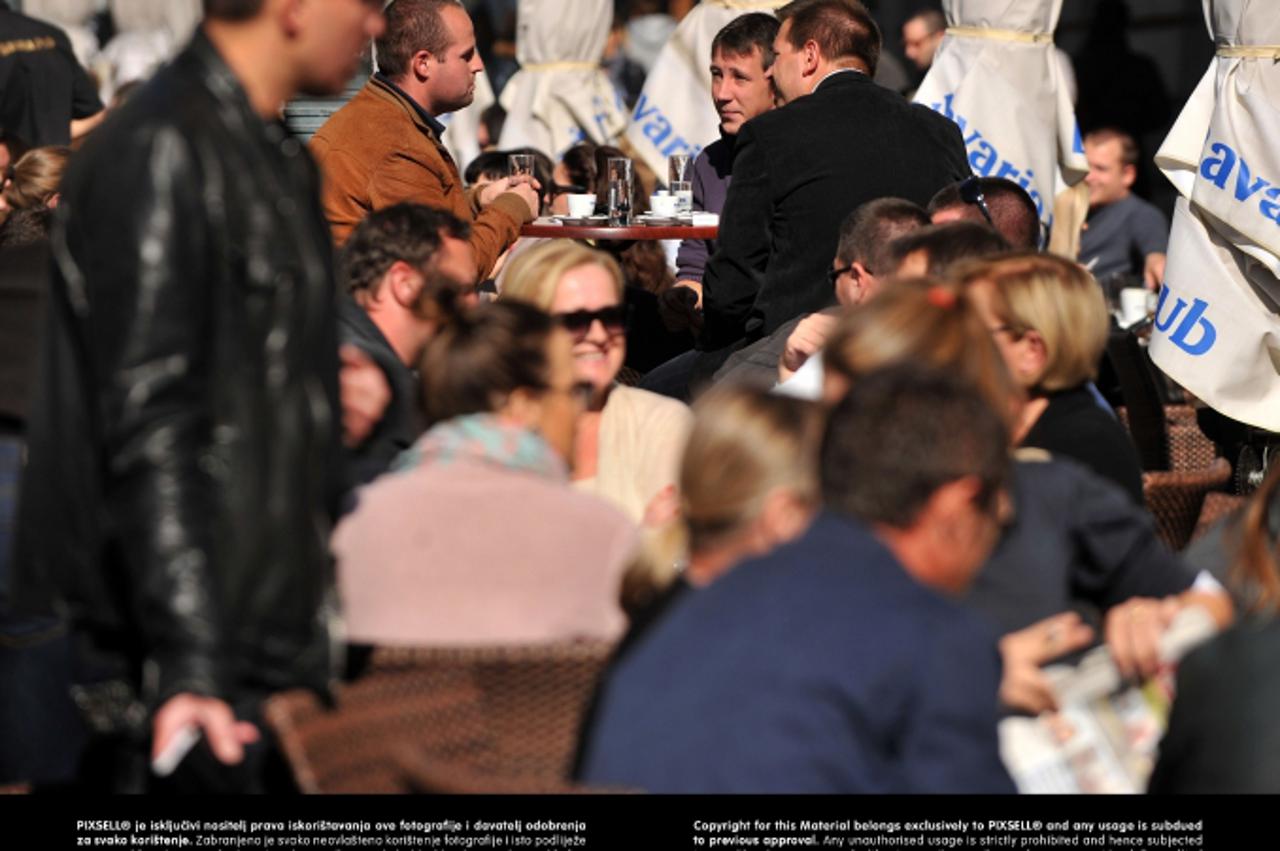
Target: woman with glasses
<point x="629" y="440"/>
<point x="476" y="537"/>
<point x="1048" y="317"/>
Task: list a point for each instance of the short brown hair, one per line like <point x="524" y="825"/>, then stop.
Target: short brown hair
<point x="842" y="29"/>
<point x="412" y="25"/>
<point x="1128" y="147"/>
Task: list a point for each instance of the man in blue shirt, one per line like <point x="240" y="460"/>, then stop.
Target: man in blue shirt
<point x="835" y="664"/>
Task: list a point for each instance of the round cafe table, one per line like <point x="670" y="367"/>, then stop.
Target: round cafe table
<point x="631" y="233"/>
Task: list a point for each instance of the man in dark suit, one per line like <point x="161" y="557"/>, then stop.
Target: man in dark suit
<point x="839" y="142"/>
<point x="833" y="664"/>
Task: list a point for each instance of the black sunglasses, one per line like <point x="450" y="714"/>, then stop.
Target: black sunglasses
<point x="578" y="323"/>
<point x="971" y="193"/>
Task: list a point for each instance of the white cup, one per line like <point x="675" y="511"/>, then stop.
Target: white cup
<point x="581" y="206"/>
<point x="1133" y="305"/>
<point x="663" y="205"/>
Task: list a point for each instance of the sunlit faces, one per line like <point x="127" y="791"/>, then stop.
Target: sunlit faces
<point x="599" y="355"/>
<point x="740" y="88"/>
<point x="451" y="76"/>
<point x="1109" y="178"/>
<point x="328" y="38"/>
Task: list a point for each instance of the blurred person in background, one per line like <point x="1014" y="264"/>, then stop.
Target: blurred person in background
<point x="476" y="537"/>
<point x="34" y="181"/>
<point x="46" y="97"/>
<point x="921" y="36"/>
<point x="1124" y="235"/>
<point x="629" y="441"/>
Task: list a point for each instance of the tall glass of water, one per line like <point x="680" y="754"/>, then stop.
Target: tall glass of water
<point x="679" y="180"/>
<point x="618" y="175"/>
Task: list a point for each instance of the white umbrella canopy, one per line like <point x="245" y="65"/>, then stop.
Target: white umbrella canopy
<point x="72" y="16"/>
<point x="674" y="114"/>
<point x="997" y="76"/>
<point x="1217" y="329"/>
<point x="561" y="95"/>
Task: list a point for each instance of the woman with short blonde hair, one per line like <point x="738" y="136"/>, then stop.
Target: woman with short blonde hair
<point x="629" y="440"/>
<point x="1049" y="320"/>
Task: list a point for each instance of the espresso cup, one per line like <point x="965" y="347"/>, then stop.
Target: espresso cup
<point x="663" y="205"/>
<point x="581" y="206"/>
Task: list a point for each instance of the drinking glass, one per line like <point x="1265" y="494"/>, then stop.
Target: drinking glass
<point x="618" y="174"/>
<point x="519" y="164"/>
<point x="678" y="169"/>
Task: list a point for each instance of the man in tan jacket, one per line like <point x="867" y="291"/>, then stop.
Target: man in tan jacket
<point x="384" y="146"/>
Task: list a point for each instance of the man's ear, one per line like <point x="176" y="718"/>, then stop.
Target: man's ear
<point x="812" y="56"/>
<point x="1128" y="174"/>
<point x="289" y="14"/>
<point x="865" y="281"/>
<point x="420" y="65"/>
<point x="404" y="283"/>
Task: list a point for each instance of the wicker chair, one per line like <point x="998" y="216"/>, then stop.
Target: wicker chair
<point x="500" y="719"/>
<point x="1175" y="499"/>
<point x="1216" y="506"/>
<point x="1188" y="448"/>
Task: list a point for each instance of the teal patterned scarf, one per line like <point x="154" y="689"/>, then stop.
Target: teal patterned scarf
<point x="484" y="438"/>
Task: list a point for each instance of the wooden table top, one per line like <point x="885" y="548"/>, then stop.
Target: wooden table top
<point x="632" y="232"/>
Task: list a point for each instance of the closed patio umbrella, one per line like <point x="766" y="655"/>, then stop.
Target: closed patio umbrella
<point x="1217" y="329"/>
<point x="674" y="114"/>
<point x="996" y="75"/>
<point x="561" y="95"/>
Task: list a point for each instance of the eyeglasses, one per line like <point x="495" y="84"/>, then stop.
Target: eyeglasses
<point x="835" y="274"/>
<point x="971" y="193"/>
<point x="578" y="323"/>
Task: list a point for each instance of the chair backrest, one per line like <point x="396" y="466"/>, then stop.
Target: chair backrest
<point x="502" y="718"/>
<point x="1216" y="506"/>
<point x="1176" y="497"/>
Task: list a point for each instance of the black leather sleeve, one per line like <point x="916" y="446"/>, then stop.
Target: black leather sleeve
<point x="144" y="277"/>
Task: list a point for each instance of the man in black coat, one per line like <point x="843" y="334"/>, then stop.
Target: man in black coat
<point x="184" y="453"/>
<point x="839" y="141"/>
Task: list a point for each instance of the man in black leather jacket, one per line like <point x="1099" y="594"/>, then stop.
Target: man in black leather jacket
<point x="184" y="463"/>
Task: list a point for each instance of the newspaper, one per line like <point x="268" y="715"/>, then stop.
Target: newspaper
<point x="1103" y="739"/>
